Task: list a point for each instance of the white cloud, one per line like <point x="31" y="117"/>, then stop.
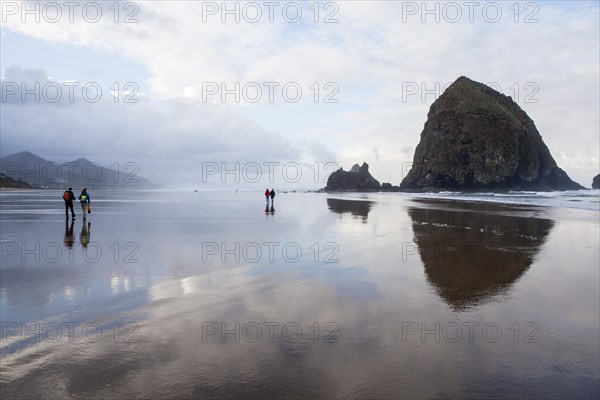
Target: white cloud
<point x="170" y="140"/>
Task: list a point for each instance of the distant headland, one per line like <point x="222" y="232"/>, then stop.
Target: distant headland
<point x="27" y="170"/>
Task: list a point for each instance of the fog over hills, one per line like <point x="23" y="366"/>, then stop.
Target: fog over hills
<point x="36" y="171"/>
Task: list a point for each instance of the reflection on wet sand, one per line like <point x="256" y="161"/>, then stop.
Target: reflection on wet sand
<point x="473" y="253"/>
<point x="69" y="239"/>
<point x="176" y="325"/>
<point x="86" y="231"/>
<point x="269" y="210"/>
<point x="357" y="208"/>
<point x="173" y="355"/>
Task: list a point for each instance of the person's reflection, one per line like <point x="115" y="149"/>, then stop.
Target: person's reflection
<point x="474" y="253"/>
<point x="269" y="210"/>
<point x="356" y="208"/>
<point x="69" y="234"/>
<point x="86" y="231"/>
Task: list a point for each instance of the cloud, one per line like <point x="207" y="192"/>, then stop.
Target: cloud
<point x="376" y="153"/>
<point x="170" y="140"/>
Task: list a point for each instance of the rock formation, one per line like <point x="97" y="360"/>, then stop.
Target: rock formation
<point x="476" y="138"/>
<point x="358" y="179"/>
<point x="387" y="187"/>
<point x="596" y="182"/>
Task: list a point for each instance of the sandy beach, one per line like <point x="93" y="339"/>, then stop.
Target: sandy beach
<point x="177" y="295"/>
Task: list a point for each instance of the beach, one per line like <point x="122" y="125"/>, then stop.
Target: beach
<point x="183" y="295"/>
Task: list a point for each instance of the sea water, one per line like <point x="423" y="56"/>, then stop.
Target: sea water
<point x="210" y="294"/>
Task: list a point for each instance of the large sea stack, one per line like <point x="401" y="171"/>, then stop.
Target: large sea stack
<point x="476" y="138"/>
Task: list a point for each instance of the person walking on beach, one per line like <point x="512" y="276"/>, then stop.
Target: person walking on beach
<point x="272" y="194"/>
<point x="69" y="198"/>
<point x="267" y="195"/>
<point x="84" y="199"/>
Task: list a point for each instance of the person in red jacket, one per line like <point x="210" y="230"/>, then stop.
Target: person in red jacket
<point x="267" y="196"/>
<point x="69" y="197"/>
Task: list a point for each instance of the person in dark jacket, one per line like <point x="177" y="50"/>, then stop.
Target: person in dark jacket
<point x="272" y="194"/>
<point x="84" y="199"/>
<point x="69" y="198"/>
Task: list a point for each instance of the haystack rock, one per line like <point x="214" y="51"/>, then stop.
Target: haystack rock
<point x="476" y="138"/>
<point x="596" y="182"/>
<point x="358" y="179"/>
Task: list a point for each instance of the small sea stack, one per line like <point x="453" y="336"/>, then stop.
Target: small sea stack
<point x="358" y="179"/>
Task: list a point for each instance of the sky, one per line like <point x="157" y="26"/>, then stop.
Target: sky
<point x="244" y="94"/>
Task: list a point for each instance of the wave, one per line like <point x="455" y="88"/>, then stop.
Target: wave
<point x="577" y="199"/>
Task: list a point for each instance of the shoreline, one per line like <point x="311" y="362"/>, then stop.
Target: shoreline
<point x="583" y="199"/>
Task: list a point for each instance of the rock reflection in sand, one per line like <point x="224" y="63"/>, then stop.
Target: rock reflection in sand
<point x="474" y="254"/>
<point x="356" y="208"/>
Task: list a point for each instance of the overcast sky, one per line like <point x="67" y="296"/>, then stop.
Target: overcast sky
<point x="373" y="67"/>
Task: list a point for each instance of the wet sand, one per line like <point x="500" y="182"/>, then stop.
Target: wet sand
<point x="196" y="295"/>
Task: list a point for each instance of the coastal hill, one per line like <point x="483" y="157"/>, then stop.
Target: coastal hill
<point x="596" y="182"/>
<point x="8" y="182"/>
<point x="40" y="173"/>
<point x="476" y="138"/>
